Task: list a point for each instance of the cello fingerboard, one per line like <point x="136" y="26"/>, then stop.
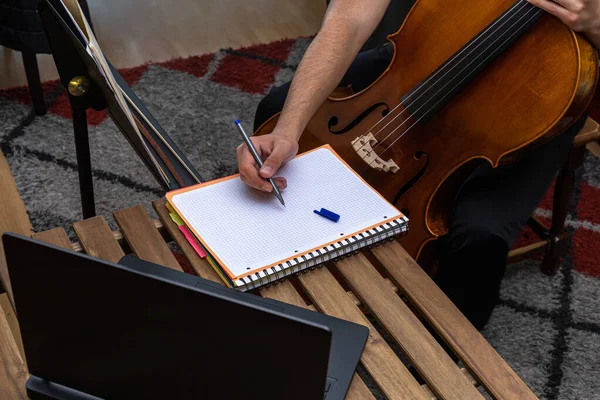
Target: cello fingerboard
<point x="434" y="92"/>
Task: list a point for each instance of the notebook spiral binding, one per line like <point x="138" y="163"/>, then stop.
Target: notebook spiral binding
<point x="316" y="259"/>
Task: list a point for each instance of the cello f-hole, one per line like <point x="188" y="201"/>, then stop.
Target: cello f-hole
<point x="334" y="120"/>
<point x="406" y="187"/>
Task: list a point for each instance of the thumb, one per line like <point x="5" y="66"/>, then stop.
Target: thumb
<point x="273" y="162"/>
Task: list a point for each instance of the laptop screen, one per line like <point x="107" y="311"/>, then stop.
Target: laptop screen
<point x="111" y="332"/>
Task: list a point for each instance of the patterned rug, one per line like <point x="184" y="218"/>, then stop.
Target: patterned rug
<point x="547" y="328"/>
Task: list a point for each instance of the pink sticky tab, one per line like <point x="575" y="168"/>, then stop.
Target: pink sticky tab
<point x="192" y="240"/>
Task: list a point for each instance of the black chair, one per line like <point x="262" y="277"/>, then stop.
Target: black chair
<point x="21" y="30"/>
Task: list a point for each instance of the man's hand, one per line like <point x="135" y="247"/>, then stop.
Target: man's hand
<point x="275" y="150"/>
<point x="579" y="15"/>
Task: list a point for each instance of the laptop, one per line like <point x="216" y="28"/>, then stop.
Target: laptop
<point x="92" y="329"/>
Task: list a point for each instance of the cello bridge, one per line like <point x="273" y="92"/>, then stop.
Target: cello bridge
<point x="363" y="145"/>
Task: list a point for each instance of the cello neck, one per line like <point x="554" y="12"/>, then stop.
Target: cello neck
<point x="427" y="98"/>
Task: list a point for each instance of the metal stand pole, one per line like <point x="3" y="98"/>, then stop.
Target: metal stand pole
<point x="82" y="147"/>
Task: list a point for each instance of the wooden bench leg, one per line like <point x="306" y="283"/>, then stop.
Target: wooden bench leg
<point x="563" y="192"/>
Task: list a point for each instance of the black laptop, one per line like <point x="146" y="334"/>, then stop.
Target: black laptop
<point x="136" y="330"/>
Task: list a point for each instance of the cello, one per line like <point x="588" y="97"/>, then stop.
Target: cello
<point x="467" y="84"/>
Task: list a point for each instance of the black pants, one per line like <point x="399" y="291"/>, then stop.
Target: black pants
<point x="489" y="212"/>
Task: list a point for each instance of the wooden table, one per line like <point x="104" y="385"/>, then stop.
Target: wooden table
<point x="383" y="282"/>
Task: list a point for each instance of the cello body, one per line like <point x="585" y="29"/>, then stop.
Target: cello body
<point x="534" y="89"/>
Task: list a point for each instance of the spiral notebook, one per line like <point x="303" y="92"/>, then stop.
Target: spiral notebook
<point x="252" y="240"/>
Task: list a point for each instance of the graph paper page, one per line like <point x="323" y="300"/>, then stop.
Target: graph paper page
<point x="248" y="230"/>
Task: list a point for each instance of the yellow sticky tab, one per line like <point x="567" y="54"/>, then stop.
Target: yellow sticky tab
<point x="177" y="219"/>
<point x="169" y="207"/>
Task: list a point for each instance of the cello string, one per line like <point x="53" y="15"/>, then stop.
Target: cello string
<point x="515" y="8"/>
<point x="479" y="43"/>
<point x="417" y="121"/>
<point x="506" y="17"/>
<point x="416" y="100"/>
<point x="450" y="81"/>
<point x="440" y="100"/>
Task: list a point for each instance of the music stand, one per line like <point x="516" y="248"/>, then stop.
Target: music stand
<point x="87" y="88"/>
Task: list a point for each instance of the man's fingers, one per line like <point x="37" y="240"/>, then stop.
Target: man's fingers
<point x="247" y="167"/>
<point x="281" y="182"/>
<point x="245" y="180"/>
<point x="575" y="6"/>
<point x="249" y="174"/>
<point x="274" y="152"/>
<point x="274" y="161"/>
<point x="264" y="184"/>
<point x="568" y="17"/>
<point x="547" y="5"/>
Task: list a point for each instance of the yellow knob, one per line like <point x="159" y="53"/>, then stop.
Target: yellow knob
<point x="79" y="86"/>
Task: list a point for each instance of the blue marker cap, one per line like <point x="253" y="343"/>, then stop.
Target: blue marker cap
<point x="237" y="122"/>
<point x="328" y="214"/>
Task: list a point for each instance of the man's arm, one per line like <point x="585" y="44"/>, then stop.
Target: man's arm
<point x="580" y="15"/>
<point x="346" y="27"/>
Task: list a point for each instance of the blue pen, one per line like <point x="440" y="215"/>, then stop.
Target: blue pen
<point x="257" y="158"/>
<point x="328" y="214"/>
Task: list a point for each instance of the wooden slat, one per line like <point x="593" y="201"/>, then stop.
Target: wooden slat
<point x="201" y="266"/>
<point x="13" y="323"/>
<point x="143" y="237"/>
<point x="429" y="392"/>
<point x="469" y="377"/>
<point x="433" y="363"/>
<point x="465" y="373"/>
<point x="594" y="148"/>
<point x="478" y="355"/>
<point x="121" y="240"/>
<point x="528" y="251"/>
<point x="287" y="295"/>
<point x="13" y="217"/>
<point x="284" y="292"/>
<point x="378" y="358"/>
<point x="13" y="373"/>
<point x="358" y="390"/>
<point x="56" y="236"/>
<point x="97" y="240"/>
